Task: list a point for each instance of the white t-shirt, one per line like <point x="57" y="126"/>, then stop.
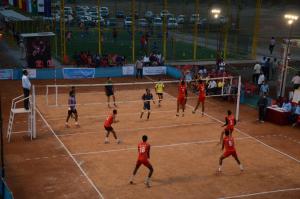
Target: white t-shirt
<point x="261" y="78"/>
<point x="257" y="68"/>
<point x="296" y="79"/>
<point x="212" y="84"/>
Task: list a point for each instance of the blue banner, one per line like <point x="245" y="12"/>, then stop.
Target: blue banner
<point x="6" y="74"/>
<point x="78" y="73"/>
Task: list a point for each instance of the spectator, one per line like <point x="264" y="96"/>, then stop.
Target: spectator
<point x="212" y="87"/>
<point x="296" y="115"/>
<point x="256" y="72"/>
<point x="262" y="106"/>
<point x="202" y="71"/>
<point x="272" y="45"/>
<point x="146" y="61"/>
<point x="266" y="69"/>
<point x="296" y="81"/>
<point x="26" y="88"/>
<point x="274" y="70"/>
<point x="220" y="86"/>
<point x="264" y="88"/>
<point x="139" y="69"/>
<point x="23" y="49"/>
<point x="287" y="106"/>
<point x="260" y="80"/>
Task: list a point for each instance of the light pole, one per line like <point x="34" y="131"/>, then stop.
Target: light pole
<point x="290" y="21"/>
<point x="216" y="14"/>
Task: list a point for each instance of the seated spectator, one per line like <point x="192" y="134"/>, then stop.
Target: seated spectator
<point x="222" y="66"/>
<point x="296" y="81"/>
<point x="287" y="106"/>
<point x="220" y="86"/>
<point x="295" y="117"/>
<point x="146" y="61"/>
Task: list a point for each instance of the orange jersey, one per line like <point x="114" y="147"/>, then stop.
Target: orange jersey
<point x="228" y="143"/>
<point x="230" y="121"/>
<point x="109" y="120"/>
<point x="201" y="88"/>
<point x="182" y="91"/>
<point x="144" y="150"/>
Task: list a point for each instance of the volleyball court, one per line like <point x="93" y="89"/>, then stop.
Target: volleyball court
<point x="185" y="149"/>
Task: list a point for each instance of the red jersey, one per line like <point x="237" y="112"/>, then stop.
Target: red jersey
<point x="230" y="121"/>
<point x="109" y="120"/>
<point x="144" y="150"/>
<point x="228" y="143"/>
<point x="201" y="89"/>
<point x="182" y="91"/>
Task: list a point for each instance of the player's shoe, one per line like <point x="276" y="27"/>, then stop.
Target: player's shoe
<point x="148" y="183"/>
<point x="241" y="167"/>
<point x="202" y="113"/>
<point x="67" y="125"/>
<point x="118" y="141"/>
<point x="131" y="182"/>
<point x="106" y="141"/>
<point x="77" y="124"/>
<point x="193" y="111"/>
<point x="177" y="115"/>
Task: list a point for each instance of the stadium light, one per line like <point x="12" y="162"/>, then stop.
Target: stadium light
<point x="216" y="13"/>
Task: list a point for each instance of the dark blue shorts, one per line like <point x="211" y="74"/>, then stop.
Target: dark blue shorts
<point x="146" y="106"/>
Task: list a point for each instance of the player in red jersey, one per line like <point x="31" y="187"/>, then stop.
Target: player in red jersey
<point x="107" y="126"/>
<point x="144" y="155"/>
<point x="181" y="99"/>
<point x="230" y="122"/>
<point x="228" y="143"/>
<point x="201" y="98"/>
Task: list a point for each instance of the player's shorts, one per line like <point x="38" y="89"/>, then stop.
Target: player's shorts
<point x="146" y="163"/>
<point x="229" y="153"/>
<point x="147" y="106"/>
<point x="229" y="128"/>
<point x="161" y="95"/>
<point x="181" y="100"/>
<point x="71" y="111"/>
<point x="108" y="128"/>
<point x="109" y="92"/>
<point x="201" y="98"/>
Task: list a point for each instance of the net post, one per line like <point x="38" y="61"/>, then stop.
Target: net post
<point x="237" y="113"/>
<point x="47" y="92"/>
<point x="223" y="84"/>
<point x="33" y="112"/>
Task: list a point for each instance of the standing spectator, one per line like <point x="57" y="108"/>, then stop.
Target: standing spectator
<point x="212" y="87"/>
<point x="260" y="80"/>
<point x="266" y="68"/>
<point x="262" y="105"/>
<point x="26" y="88"/>
<point x="139" y="69"/>
<point x="256" y="72"/>
<point x="23" y="49"/>
<point x="264" y="89"/>
<point x="272" y="45"/>
<point x="296" y="81"/>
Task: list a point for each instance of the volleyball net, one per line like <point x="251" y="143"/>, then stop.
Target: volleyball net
<point x="56" y="95"/>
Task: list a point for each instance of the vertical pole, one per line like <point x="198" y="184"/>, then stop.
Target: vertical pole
<point x="33" y="127"/>
<point x="237" y="113"/>
<point x="62" y="29"/>
<point x="256" y="28"/>
<point x="56" y="95"/>
<point x="165" y="31"/>
<point x="227" y="27"/>
<point x="285" y="64"/>
<point x="1" y="147"/>
<point x="223" y="82"/>
<point x="197" y="11"/>
<point x="133" y="29"/>
<point x="99" y="30"/>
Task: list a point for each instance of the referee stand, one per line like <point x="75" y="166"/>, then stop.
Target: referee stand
<point x="31" y="116"/>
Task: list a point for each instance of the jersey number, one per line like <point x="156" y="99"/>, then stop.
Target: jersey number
<point x="142" y="149"/>
<point x="230" y="143"/>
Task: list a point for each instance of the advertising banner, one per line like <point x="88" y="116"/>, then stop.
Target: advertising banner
<point x="6" y="74"/>
<point x="78" y="73"/>
<point x="155" y="70"/>
<point x="128" y="70"/>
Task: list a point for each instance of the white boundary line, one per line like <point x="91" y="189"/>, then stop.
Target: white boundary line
<point x="153" y="146"/>
<point x="246" y="134"/>
<point x="71" y="156"/>
<point x="260" y="193"/>
<point x="142" y="128"/>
